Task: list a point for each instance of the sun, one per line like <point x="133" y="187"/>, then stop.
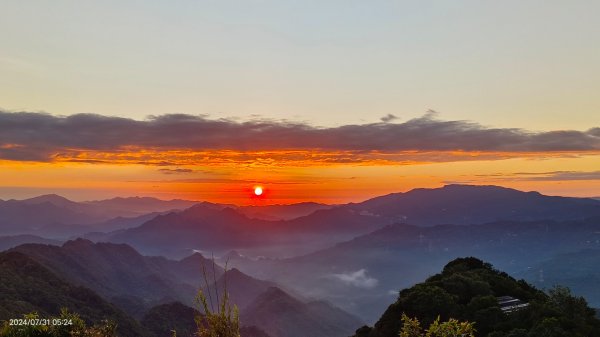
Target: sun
<point x="258" y="190"/>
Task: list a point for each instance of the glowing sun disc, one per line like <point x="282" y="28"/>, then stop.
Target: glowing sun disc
<point x="258" y="190"/>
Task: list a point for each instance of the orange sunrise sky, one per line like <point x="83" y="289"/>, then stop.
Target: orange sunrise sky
<point x="328" y="101"/>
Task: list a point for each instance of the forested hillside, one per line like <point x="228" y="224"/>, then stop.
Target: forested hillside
<point x="468" y="289"/>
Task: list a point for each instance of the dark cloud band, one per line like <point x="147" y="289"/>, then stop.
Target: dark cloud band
<point x="40" y="137"/>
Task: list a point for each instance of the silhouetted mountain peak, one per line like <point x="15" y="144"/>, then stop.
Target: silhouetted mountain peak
<point x="213" y="205"/>
<point x="235" y="275"/>
<point x="48" y="198"/>
<point x="276" y="294"/>
<point x="122" y="250"/>
<point x="193" y="258"/>
<point x="78" y="243"/>
<point x="206" y="209"/>
<point x="232" y="255"/>
<point x="282" y="315"/>
<point x="133" y="198"/>
<point x="55" y="200"/>
<point x="470" y="204"/>
<point x="231" y="211"/>
<point x="474" y="187"/>
<point x="234" y="271"/>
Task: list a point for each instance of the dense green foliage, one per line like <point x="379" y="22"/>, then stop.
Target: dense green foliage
<point x="467" y="289"/>
<point x="411" y="327"/>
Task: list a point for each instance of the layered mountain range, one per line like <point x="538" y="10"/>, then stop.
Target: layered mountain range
<point x="135" y="284"/>
<point x="219" y="228"/>
<point x="302" y="268"/>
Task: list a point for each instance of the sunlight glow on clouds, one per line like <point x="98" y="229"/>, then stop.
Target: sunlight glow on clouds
<point x="187" y="139"/>
<point x="195" y="157"/>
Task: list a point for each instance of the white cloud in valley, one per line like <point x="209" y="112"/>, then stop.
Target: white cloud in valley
<point x="358" y="279"/>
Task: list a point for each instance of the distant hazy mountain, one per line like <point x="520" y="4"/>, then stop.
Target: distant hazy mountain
<point x="115" y="207"/>
<point x="357" y="275"/>
<point x="58" y="201"/>
<point x="242" y="289"/>
<point x="27" y="286"/>
<point x="199" y="227"/>
<point x="469" y="204"/>
<point x="579" y="270"/>
<point x="136" y="283"/>
<point x="263" y="307"/>
<point x="281" y="212"/>
<point x="281" y="315"/>
<point x="218" y="228"/>
<point x="55" y="216"/>
<point x="117" y="271"/>
<point x="18" y="217"/>
<point x="209" y="228"/>
<point x="61" y="230"/>
<point x="134" y="206"/>
<point x="7" y="242"/>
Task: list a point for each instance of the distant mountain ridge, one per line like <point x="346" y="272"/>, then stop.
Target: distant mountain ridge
<point x="117" y="270"/>
<point x="451" y="204"/>
<point x="353" y="255"/>
<point x="202" y="227"/>
<point x="358" y="274"/>
<point x="205" y="226"/>
<point x="7" y="242"/>
<point x="472" y="204"/>
<point x="282" y="212"/>
<point x="55" y="216"/>
<point x="294" y="318"/>
<point x="21" y="217"/>
<point x="241" y="288"/>
<point x="578" y="270"/>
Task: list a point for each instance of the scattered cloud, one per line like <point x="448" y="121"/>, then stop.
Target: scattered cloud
<point x="175" y="171"/>
<point x="530" y="176"/>
<point x="388" y="118"/>
<point x="358" y="279"/>
<point x="179" y="139"/>
<point x="559" y="176"/>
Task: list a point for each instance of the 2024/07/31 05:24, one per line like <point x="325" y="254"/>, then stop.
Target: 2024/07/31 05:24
<point x="40" y="321"/>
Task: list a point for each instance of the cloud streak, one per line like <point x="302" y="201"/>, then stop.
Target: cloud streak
<point x="175" y="171"/>
<point x="552" y="176"/>
<point x="531" y="176"/>
<point x="568" y="175"/>
<point x="358" y="279"/>
<point x="29" y="136"/>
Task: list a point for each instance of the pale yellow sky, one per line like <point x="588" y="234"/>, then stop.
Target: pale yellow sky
<point x="525" y="64"/>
